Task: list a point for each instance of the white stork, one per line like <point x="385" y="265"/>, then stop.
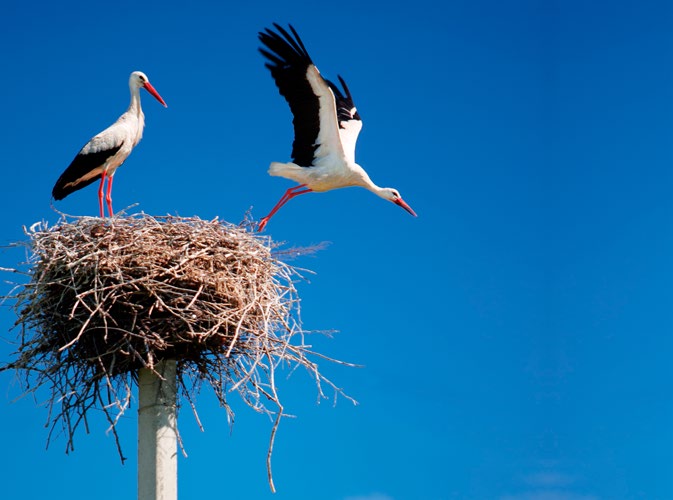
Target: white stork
<point x="104" y="153"/>
<point x="326" y="124"/>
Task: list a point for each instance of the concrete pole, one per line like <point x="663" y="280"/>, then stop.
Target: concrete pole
<point x="157" y="433"/>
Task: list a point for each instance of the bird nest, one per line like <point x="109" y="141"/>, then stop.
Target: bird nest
<point x="105" y="298"/>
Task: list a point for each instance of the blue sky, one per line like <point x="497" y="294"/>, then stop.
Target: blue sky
<point x="516" y="337"/>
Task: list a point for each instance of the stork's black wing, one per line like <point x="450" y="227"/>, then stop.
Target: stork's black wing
<point x="84" y="169"/>
<point x="289" y="63"/>
<point x="349" y="119"/>
<point x="346" y="110"/>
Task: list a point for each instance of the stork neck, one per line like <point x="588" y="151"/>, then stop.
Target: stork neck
<point x="135" y="101"/>
<point x="361" y="178"/>
<point x="367" y="183"/>
<point x="379" y="191"/>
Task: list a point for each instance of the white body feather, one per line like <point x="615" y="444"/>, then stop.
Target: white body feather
<point x="334" y="159"/>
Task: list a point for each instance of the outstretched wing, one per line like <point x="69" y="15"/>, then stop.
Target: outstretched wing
<point x="350" y="122"/>
<point x="311" y="100"/>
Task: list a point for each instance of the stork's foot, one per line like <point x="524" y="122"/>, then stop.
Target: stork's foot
<point x="262" y="224"/>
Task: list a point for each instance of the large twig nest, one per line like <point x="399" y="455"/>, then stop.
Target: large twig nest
<point x="107" y="297"/>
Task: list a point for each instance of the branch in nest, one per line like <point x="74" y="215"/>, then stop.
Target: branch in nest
<point x="107" y="297"/>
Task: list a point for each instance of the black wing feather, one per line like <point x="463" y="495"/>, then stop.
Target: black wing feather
<point x="344" y="103"/>
<point x="73" y="178"/>
<point x="288" y="61"/>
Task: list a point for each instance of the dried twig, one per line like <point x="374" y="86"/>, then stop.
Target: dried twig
<point x="107" y="297"/>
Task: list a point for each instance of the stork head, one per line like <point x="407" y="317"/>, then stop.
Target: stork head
<point x="393" y="195"/>
<point x="138" y="80"/>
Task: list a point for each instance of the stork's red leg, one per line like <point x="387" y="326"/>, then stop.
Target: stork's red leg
<point x="100" y="194"/>
<point x="108" y="195"/>
<point x="289" y="194"/>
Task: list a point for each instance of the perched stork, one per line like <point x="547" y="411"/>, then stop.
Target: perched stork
<point x="103" y="154"/>
<point x="326" y="124"/>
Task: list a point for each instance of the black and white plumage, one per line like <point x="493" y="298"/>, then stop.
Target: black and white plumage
<point x="104" y="153"/>
<point x="326" y="124"/>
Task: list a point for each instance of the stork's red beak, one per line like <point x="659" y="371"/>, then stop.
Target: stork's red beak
<point x="156" y="95"/>
<point x="403" y="204"/>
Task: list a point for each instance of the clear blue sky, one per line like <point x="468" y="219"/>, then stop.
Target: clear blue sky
<point x="516" y="337"/>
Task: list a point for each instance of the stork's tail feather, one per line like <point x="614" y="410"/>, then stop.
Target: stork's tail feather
<point x="276" y="168"/>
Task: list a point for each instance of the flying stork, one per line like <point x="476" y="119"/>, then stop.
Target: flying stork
<point x="326" y="124"/>
<point x="105" y="152"/>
